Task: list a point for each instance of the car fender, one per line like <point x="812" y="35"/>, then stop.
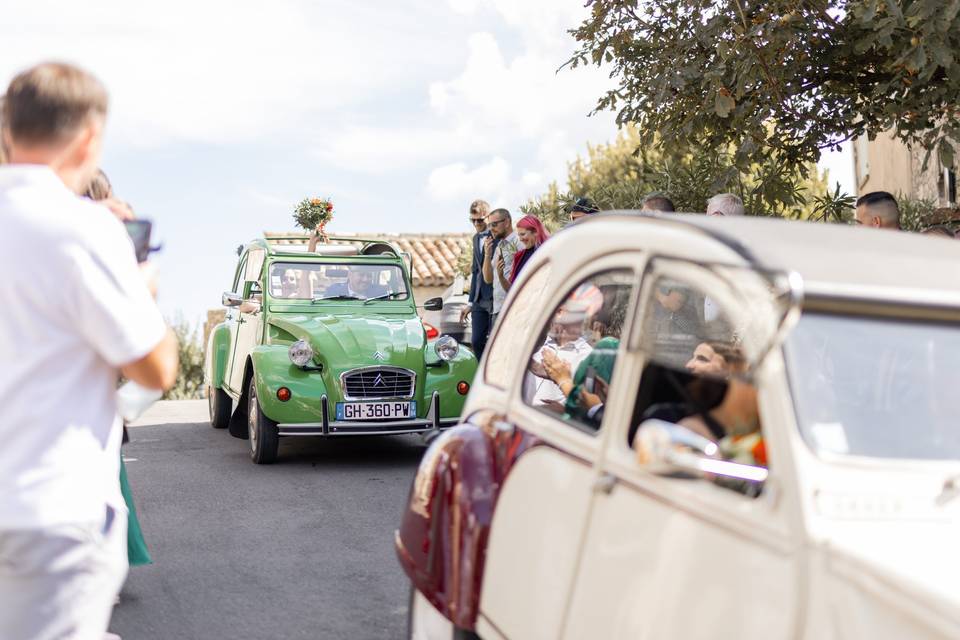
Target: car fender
<point x="215" y="357"/>
<point x="443" y="378"/>
<point x="442" y="540"/>
<point x="272" y="369"/>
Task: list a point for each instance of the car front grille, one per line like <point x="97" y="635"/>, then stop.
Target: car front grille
<point x="378" y="382"/>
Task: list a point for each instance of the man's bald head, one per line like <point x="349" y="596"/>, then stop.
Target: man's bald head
<point x="658" y="202"/>
<point x="878" y="209"/>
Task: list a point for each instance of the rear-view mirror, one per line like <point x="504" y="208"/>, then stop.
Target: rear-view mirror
<point x="231" y="299"/>
<point x="433" y="304"/>
<point x="667" y="449"/>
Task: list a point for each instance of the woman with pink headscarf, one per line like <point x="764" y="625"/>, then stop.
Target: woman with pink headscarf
<point x="531" y="234"/>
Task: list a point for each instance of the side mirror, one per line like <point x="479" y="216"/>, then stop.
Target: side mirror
<point x="667" y="449"/>
<point x="433" y="304"/>
<point x="231" y="299"/>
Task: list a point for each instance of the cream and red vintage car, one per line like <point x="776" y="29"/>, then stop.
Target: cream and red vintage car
<point x="694" y="427"/>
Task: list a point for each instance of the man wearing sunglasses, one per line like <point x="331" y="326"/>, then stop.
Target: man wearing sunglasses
<point x="498" y="251"/>
<point x="481" y="293"/>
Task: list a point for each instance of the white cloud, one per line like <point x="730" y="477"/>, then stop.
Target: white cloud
<point x="457" y="181"/>
<point x="218" y="71"/>
<point x="522" y="102"/>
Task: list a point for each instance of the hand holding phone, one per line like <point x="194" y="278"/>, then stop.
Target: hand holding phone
<point x="590" y="380"/>
<point x="140" y="231"/>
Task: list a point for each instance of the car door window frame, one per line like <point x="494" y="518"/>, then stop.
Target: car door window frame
<point x="766" y="519"/>
<point x="554" y="429"/>
<point x="239" y="274"/>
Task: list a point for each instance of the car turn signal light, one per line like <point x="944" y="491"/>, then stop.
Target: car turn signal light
<point x="283" y="394"/>
<point x="432" y="331"/>
<point x="463" y="388"/>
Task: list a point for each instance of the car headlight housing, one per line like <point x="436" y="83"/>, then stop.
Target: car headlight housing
<point x="301" y="353"/>
<point x="447" y="348"/>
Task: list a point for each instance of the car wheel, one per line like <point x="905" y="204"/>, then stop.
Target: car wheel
<point x="219" y="404"/>
<point x="424" y="622"/>
<point x="264" y="439"/>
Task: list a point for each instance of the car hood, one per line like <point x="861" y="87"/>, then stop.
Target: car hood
<point x="344" y="342"/>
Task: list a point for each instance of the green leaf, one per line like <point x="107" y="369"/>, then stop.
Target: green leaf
<point x="724" y="104"/>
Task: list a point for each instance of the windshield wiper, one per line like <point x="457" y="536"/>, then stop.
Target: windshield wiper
<point x="384" y="296"/>
<point x="343" y="297"/>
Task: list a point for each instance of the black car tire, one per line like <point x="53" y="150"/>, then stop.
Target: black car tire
<point x="220" y="405"/>
<point x="264" y="439"/>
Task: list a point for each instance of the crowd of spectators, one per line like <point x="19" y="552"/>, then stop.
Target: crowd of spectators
<point x="570" y="372"/>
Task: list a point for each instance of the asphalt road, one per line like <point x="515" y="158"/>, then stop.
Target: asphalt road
<point x="299" y="549"/>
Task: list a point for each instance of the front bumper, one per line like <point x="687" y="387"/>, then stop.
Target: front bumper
<point x="328" y="427"/>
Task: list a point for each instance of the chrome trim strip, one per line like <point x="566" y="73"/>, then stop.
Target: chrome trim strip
<point x="346" y="432"/>
<point x="377" y="367"/>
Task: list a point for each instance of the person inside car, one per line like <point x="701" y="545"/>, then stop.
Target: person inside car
<point x="359" y="284"/>
<point x="289" y="284"/>
<point x="734" y="424"/>
<point x="566" y="342"/>
<point x="586" y="388"/>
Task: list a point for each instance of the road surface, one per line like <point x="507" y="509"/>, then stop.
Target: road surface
<point x="299" y="549"/>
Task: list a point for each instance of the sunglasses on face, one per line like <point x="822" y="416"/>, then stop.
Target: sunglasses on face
<point x="477" y="220"/>
<point x="494" y="223"/>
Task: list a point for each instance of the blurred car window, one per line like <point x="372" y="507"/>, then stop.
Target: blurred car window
<point x="306" y="281"/>
<point x="572" y="365"/>
<point x="876" y="387"/>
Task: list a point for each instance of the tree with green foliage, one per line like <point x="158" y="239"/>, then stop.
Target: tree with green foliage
<point x="620" y="174"/>
<point x="190" y="379"/>
<point x="781" y="77"/>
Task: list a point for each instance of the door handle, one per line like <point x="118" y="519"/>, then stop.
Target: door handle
<point x="605" y="484"/>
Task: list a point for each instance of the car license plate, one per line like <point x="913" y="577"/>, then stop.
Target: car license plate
<point x="397" y="410"/>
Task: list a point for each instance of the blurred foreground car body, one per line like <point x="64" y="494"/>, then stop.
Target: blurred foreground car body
<point x="840" y="518"/>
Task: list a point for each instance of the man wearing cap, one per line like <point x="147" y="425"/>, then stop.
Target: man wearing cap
<point x="581" y="207"/>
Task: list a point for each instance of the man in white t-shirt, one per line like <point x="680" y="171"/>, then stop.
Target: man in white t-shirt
<point x="566" y="341"/>
<point x="76" y="313"/>
<point x="499" y="249"/>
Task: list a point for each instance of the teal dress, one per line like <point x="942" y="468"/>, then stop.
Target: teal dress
<point x="137" y="553"/>
<point x="602" y="359"/>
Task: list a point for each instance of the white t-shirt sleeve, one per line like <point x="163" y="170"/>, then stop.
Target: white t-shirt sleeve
<point x="113" y="308"/>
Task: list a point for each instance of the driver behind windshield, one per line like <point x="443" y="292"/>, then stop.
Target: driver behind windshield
<point x="360" y="284"/>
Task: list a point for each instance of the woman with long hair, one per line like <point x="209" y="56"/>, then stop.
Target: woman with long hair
<point x="532" y="234"/>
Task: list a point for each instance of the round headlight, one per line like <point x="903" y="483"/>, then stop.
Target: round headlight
<point x="446" y="347"/>
<point x="301" y="353"/>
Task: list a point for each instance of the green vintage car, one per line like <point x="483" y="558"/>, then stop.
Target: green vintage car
<point x="328" y="343"/>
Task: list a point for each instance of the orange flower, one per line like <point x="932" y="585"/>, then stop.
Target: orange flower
<point x="315" y="201"/>
<point x="759" y="452"/>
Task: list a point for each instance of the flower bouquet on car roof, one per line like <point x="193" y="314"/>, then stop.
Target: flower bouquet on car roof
<point x="313" y="214"/>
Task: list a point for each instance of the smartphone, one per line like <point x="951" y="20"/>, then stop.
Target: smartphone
<point x="139" y="231"/>
<point x="590" y="380"/>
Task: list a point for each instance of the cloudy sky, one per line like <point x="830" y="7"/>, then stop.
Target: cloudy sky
<point x="226" y="113"/>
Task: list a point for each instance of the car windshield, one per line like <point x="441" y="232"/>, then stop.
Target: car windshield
<point x="339" y="281"/>
<point x="876" y="387"/>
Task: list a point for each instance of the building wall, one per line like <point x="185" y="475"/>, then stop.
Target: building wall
<point x="887" y="164"/>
